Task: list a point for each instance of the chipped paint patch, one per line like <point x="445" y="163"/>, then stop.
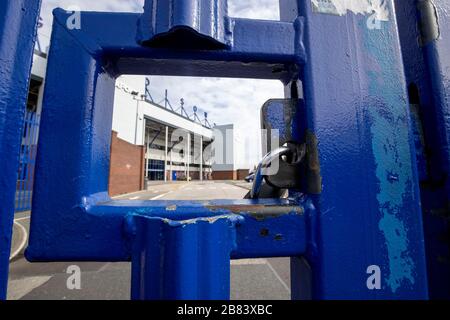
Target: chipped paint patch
<point x="313" y="174"/>
<point x="390" y="147"/>
<point x="210" y="220"/>
<point x="392" y="153"/>
<point x="342" y="7"/>
<point x="397" y="243"/>
<point x="260" y="212"/>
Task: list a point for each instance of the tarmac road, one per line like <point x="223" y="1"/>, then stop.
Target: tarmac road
<point x="251" y="279"/>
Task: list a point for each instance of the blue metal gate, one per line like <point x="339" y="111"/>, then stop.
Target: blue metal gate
<point x="357" y="207"/>
<point x="27" y="160"/>
<point x="357" y="212"/>
<point x="18" y="22"/>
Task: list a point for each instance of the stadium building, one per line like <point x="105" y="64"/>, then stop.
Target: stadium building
<point x="171" y="144"/>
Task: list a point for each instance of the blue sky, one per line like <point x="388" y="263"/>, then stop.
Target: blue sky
<point x="236" y="101"/>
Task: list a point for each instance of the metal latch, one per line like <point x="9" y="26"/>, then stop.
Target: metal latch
<point x="273" y="183"/>
<point x="283" y="167"/>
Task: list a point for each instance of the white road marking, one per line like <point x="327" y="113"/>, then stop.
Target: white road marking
<point x="134" y="198"/>
<point x="20" y="288"/>
<point x="22" y="243"/>
<point x="104" y="267"/>
<point x="278" y="277"/>
<point x="248" y="262"/>
<point x="122" y="196"/>
<point x="161" y="195"/>
<point x="21" y="219"/>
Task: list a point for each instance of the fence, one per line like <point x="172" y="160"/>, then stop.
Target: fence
<point x="24" y="188"/>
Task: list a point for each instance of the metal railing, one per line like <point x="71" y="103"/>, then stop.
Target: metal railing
<point x="24" y="188"/>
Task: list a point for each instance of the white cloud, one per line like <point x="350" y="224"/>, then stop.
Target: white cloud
<point x="254" y="9"/>
<point x="236" y="101"/>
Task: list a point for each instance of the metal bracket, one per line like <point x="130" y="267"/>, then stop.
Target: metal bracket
<point x="429" y="22"/>
<point x="289" y="160"/>
<point x="188" y="24"/>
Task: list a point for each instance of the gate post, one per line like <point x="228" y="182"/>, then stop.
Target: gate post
<point x="426" y="55"/>
<point x="368" y="223"/>
<point x="182" y="260"/>
<point x="18" y="23"/>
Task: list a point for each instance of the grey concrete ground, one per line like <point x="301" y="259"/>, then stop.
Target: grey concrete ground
<point x="250" y="279"/>
<point x="194" y="190"/>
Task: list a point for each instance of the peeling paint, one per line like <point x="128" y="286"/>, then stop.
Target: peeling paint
<point x="391" y="149"/>
<point x="429" y="22"/>
<point x="401" y="265"/>
<point x="342" y="7"/>
<point x="313" y="175"/>
<point x="261" y="212"/>
<point x="210" y="220"/>
<point x="278" y="237"/>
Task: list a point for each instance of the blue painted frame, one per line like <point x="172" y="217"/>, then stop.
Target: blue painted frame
<point x="18" y="23"/>
<point x="363" y="211"/>
<point x="93" y="57"/>
<point x="368" y="212"/>
<point x="426" y="65"/>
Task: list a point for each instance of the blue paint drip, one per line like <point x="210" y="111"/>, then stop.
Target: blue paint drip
<point x="391" y="148"/>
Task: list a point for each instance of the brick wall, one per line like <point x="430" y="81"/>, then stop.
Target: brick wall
<point x="126" y="172"/>
<point x="242" y="174"/>
<point x="224" y="175"/>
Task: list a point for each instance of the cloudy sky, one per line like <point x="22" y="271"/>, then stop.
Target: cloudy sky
<point x="236" y="101"/>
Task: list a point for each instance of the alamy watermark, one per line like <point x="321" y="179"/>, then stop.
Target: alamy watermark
<point x="374" y="280"/>
<point x="74" y="280"/>
<point x="74" y="20"/>
<point x="380" y="12"/>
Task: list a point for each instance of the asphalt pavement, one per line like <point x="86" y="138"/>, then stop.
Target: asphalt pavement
<point x="251" y="279"/>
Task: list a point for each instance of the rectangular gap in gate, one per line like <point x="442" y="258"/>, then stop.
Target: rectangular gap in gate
<point x="187" y="138"/>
